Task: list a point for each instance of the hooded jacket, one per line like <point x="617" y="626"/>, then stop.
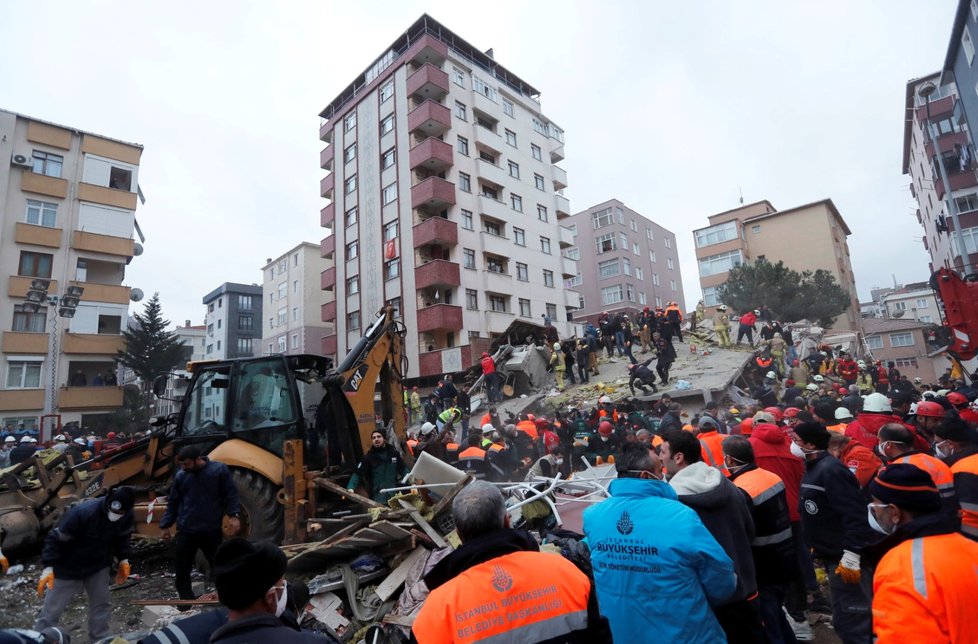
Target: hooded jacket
<point x="725" y="512"/>
<point x="865" y="429"/>
<point x="652" y="580"/>
<point x="198" y="500"/>
<point x="380" y="468"/>
<point x="85" y="541"/>
<point x="772" y="452"/>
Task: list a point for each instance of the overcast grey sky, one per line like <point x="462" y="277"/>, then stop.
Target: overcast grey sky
<point x="673" y="107"/>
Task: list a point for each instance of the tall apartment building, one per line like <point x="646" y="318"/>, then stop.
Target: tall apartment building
<point x="233" y="321"/>
<point x="445" y="201"/>
<point x="194" y="341"/>
<point x="625" y="261"/>
<point x="291" y="283"/>
<point x="916" y="302"/>
<point x="805" y="238"/>
<point x="68" y="206"/>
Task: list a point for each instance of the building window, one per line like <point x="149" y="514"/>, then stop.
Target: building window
<point x="395" y="303"/>
<point x="624" y="241"/>
<point x="350" y="217"/>
<point x="29" y="322"/>
<point x="387" y="90"/>
<point x="392" y="268"/>
<point x="390" y="230"/>
<point x="577" y="280"/>
<point x="485" y="155"/>
<point x="669" y="264"/>
<point x="511" y="138"/>
<point x="612" y="294"/>
<point x="655" y="279"/>
<point x="573" y="253"/>
<point x="632" y="225"/>
<point x="295" y="341"/>
<point x="522" y="272"/>
<point x="387" y="125"/>
<point x="608" y="268"/>
<point x="672" y="284"/>
<point x="629" y="292"/>
<point x="923" y="304"/>
<point x="464" y="182"/>
<point x="41" y="213"/>
<point x="904" y="339"/>
<point x="712" y="235"/>
<point x="210" y="349"/>
<point x="460" y="111"/>
<point x="967" y="44"/>
<point x="35" y="264"/>
<point x="352" y="250"/>
<point x="295" y="313"/>
<point x="874" y="342"/>
<point x="472" y="299"/>
<point x="458" y="76"/>
<point x="538" y="181"/>
<point x="490" y="192"/>
<point x="492" y="227"/>
<point x="468" y="258"/>
<point x="649" y="236"/>
<point x="23" y="374"/>
<point x="462" y="145"/>
<point x="350" y="121"/>
<point x="605" y="243"/>
<point x="47" y="163"/>
<point x="467" y="223"/>
<point x="667" y="241"/>
<point x="517" y="202"/>
<point x="721" y="263"/>
<point x="487" y="91"/>
<point x="350" y="153"/>
<point x="389" y="194"/>
<point x="525" y="308"/>
<point x="548" y="278"/>
<point x="545" y="244"/>
<point x="652" y="256"/>
<point x="388" y="158"/>
<point x="926" y="319"/>
<point x="541" y="212"/>
<point x="508" y="108"/>
<point x="536" y="152"/>
<point x="906" y="362"/>
<point x="244" y="346"/>
<point x="514" y="169"/>
<point x="497" y="303"/>
<point x="352" y="285"/>
<point x="710" y="297"/>
<point x="281" y="317"/>
<point x="246" y="322"/>
<point x="602" y="218"/>
<point x="353" y="321"/>
<point x="626" y="266"/>
<point x="495" y="264"/>
<point x="350" y="185"/>
<point x="519" y="236"/>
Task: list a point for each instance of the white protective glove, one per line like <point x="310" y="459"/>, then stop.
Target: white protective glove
<point x="848" y="567"/>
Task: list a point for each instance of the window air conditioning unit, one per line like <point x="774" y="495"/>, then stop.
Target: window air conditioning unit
<point x="22" y="160"/>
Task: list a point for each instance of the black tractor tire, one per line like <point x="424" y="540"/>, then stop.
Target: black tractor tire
<point x="262" y="516"/>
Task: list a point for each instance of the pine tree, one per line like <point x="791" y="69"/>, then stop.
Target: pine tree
<point x="150" y="350"/>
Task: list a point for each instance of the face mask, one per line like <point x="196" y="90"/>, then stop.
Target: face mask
<point x="113" y="517"/>
<point x="604" y="439"/>
<point x="797" y="451"/>
<point x="880" y="450"/>
<point x="282" y="601"/>
<point x="873" y="523"/>
<point x="943" y="452"/>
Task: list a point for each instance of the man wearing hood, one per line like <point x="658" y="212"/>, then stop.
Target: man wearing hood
<point x="876" y="413"/>
<point x="494" y="587"/>
<point x="671" y="419"/>
<point x="724" y="510"/>
<point x="655" y="583"/>
<point x="78" y="554"/>
<point x="380" y="468"/>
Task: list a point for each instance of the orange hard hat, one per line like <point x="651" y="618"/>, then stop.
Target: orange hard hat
<point x="930" y="409"/>
<point x="605" y="428"/>
<point x="747" y="426"/>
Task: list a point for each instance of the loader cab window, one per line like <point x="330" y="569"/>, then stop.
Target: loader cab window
<point x="207" y="403"/>
<point x="264" y="410"/>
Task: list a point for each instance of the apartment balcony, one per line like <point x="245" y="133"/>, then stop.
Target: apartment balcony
<point x="326" y="132"/>
<point x="435" y="363"/>
<point x="440" y="317"/>
<point x="946" y="142"/>
<point x="494" y="208"/>
<point x="568" y="268"/>
<point x="107" y="196"/>
<point x="106" y="244"/>
<point x="326" y="185"/>
<point x="326" y="158"/>
<point x="436" y="230"/>
<point x="328" y="345"/>
<point x="958" y="181"/>
<point x="93" y="344"/>
<point x="427" y="82"/>
<point x="486" y="138"/>
<point x="28" y="343"/>
<point x="37" y="235"/>
<point x="571" y="298"/>
<point x="566" y="238"/>
<point x="109" y="293"/>
<point x="431" y="154"/>
<point x="562" y="206"/>
<point x="17" y="286"/>
<point x="428" y="49"/>
<point x="89" y="398"/>
<point x="328" y="311"/>
<point x="42" y="184"/>
<point x="327" y="279"/>
<point x="560" y="178"/>
<point x="491" y="172"/>
<point x="327" y="216"/>
<point x="437" y="273"/>
<point x="433" y="193"/>
<point x="497" y="244"/>
<point x="501" y="283"/>
<point x="327" y="247"/>
<point x="499" y="321"/>
<point x="941" y="107"/>
<point x="22" y="400"/>
<point x="430" y="118"/>
<point x="556" y="152"/>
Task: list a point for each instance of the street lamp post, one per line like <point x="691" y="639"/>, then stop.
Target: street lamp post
<point x="925" y="91"/>
<point x="65" y="305"/>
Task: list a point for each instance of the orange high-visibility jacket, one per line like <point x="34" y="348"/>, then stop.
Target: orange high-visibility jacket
<point x="940" y="473"/>
<point x="965" y="474"/>
<point x="711" y="448"/>
<point x="924" y="591"/>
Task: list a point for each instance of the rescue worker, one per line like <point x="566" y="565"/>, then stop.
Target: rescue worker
<point x="558" y="364"/>
<point x="606" y="445"/>
<point x="381" y="467"/>
<point x="896" y="446"/>
<point x="490" y="376"/>
<point x="711" y="441"/>
<point x="721" y="326"/>
<point x="666" y="356"/>
<point x="492" y="586"/>
<point x="675" y="319"/>
<point x="876" y="413"/>
<point x="472" y="460"/>
<point x="641" y="375"/>
<point x="24" y="451"/>
<point x="450" y="416"/>
<point x="415" y="405"/>
<point x="954" y="440"/>
<point x="965" y="473"/>
<point x="649" y="580"/>
<point x="842" y="417"/>
<point x="699" y="314"/>
<point x="746" y="328"/>
<point x="8" y="446"/>
<point x="78" y="554"/>
<point x="922" y="592"/>
<point x="864" y="380"/>
<point x="860" y="460"/>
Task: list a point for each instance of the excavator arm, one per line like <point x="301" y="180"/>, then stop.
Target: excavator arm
<point x="960" y="298"/>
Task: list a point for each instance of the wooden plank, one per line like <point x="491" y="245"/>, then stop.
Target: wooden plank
<point x="428" y="530"/>
<point x="391" y="530"/>
<point x="396" y="579"/>
<point x="353" y="496"/>
<point x="399" y="620"/>
<point x="446" y="500"/>
<point x="174" y="602"/>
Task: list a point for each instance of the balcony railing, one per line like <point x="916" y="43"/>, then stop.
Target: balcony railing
<point x="327" y="279"/>
<point x="427" y="82"/>
<point x="327" y="216"/>
<point x="437" y="273"/>
<point x="430" y="118"/>
<point x="440" y="317"/>
<point x="436" y="230"/>
<point x="433" y="193"/>
<point x="327" y="247"/>
<point x="431" y="154"/>
<point x="326" y="185"/>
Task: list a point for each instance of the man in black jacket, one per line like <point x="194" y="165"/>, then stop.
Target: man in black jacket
<point x="78" y="553"/>
<point x="643" y="376"/>
<point x="203" y="491"/>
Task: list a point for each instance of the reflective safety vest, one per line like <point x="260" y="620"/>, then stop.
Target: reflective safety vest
<point x="519" y="597"/>
<point x="473" y="461"/>
<point x="451" y="414"/>
<point x="775" y="557"/>
<point x="412" y="445"/>
<point x="965" y="474"/>
<point x="528" y="427"/>
<point x="940" y="473"/>
<point x="711" y="448"/>
<point x="451" y="453"/>
<point x="924" y="590"/>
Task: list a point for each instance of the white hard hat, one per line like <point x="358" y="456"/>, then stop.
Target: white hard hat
<point x="10" y="439"/>
<point x="842" y="413"/>
<point x="60" y="438"/>
<point x="604" y="399"/>
<point x="811" y="387"/>
<point x="25" y="440"/>
<point x="913" y="409"/>
<point x="771" y="375"/>
<point x="877" y="402"/>
<point x="722" y="307"/>
<point x="860" y="364"/>
<point x="818" y="378"/>
<point x="487" y="428"/>
<point x="79" y="441"/>
<point x="427" y="428"/>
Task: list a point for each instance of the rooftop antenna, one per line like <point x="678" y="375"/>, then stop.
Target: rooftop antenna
<point x="894" y="280"/>
<point x="741" y="195"/>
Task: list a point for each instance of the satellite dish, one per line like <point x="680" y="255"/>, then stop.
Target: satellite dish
<point x="898" y="313"/>
<point x="136" y="294"/>
<point x="137" y="249"/>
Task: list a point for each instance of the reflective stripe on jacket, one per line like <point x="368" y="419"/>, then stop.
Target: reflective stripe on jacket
<point x="940" y="474"/>
<point x="775" y="558"/>
<point x="965" y="474"/>
<point x="711" y="448"/>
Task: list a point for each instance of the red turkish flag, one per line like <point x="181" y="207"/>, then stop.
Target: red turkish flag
<point x="390" y="249"/>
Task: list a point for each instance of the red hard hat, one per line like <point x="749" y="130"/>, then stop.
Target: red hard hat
<point x="605" y="428"/>
<point x="774" y="411"/>
<point x="485" y="355"/>
<point x="791" y="412"/>
<point x="110" y="435"/>
<point x="747" y="426"/>
<point x="843" y="390"/>
<point x="541" y="422"/>
<point x="930" y="409"/>
<point x="957" y="398"/>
